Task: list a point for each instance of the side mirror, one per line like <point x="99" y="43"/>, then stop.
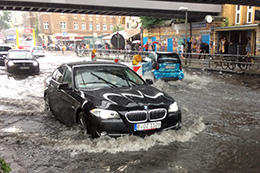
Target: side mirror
<point x="149" y="81"/>
<point x="64" y="86"/>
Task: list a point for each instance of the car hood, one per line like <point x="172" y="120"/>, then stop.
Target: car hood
<point x="130" y="98"/>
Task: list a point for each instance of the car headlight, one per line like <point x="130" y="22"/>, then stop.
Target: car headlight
<point x="35" y="63"/>
<point x="173" y="107"/>
<point x="10" y="63"/>
<point x="105" y="114"/>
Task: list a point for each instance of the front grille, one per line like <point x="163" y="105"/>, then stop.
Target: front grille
<point x="136" y="116"/>
<point x="23" y="64"/>
<point x="157" y="114"/>
<point x="143" y="115"/>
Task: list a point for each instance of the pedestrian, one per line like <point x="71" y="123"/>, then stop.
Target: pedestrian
<point x="146" y="47"/>
<point x="153" y="47"/>
<point x="93" y="55"/>
<point x="248" y="47"/>
<point x="189" y="48"/>
<point x="63" y="49"/>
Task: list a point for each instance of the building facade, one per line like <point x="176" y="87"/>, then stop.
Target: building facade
<point x="237" y="25"/>
<point x="62" y="28"/>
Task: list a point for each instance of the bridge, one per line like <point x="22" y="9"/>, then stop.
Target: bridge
<point x="198" y="9"/>
<point x="168" y="9"/>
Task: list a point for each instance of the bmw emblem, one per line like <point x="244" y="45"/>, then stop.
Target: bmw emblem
<point x="145" y="107"/>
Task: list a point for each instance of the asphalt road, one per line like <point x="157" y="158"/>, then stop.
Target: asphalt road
<point x="220" y="132"/>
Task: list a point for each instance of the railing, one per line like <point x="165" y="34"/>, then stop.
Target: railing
<point x="223" y="62"/>
<point x="205" y="61"/>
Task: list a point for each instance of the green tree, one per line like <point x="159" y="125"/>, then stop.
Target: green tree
<point x="149" y="21"/>
<point x="117" y="28"/>
<point x="4" y="20"/>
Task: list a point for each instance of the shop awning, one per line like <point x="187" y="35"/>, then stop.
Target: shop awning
<point x="236" y="28"/>
<point x="62" y="38"/>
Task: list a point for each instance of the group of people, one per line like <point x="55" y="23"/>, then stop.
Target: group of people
<point x="233" y="48"/>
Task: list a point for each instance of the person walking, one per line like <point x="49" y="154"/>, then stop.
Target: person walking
<point x="63" y="49"/>
<point x="248" y="47"/>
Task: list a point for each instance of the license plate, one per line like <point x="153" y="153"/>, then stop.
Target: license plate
<point x="147" y="126"/>
<point x="24" y="68"/>
<point x="170" y="67"/>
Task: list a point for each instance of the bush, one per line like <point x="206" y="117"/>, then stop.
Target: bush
<point x="4" y="166"/>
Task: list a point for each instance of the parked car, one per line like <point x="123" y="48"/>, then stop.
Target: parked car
<point x="167" y="66"/>
<point x="21" y="61"/>
<point x="38" y="51"/>
<point x="108" y="98"/>
<point x="3" y="53"/>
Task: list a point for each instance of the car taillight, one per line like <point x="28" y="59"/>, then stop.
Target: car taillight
<point x="157" y="67"/>
<point x="32" y="50"/>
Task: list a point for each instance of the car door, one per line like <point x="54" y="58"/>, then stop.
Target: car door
<point x="67" y="101"/>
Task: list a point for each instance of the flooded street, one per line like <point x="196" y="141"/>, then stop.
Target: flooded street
<point x="220" y="133"/>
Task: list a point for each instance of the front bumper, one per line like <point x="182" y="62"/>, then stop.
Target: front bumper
<point x="21" y="69"/>
<point x="38" y="54"/>
<point x="121" y="127"/>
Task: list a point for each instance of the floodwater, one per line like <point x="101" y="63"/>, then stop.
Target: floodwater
<point x="220" y="133"/>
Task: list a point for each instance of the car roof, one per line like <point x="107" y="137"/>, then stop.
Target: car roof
<point x="94" y="63"/>
<point x="5" y="46"/>
<point x="166" y="53"/>
<point x="19" y="50"/>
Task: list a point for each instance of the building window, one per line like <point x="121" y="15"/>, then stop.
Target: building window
<point x="76" y="26"/>
<point x="90" y="27"/>
<point x="45" y="25"/>
<point x="111" y="27"/>
<point x="104" y="27"/>
<point x="63" y="25"/>
<point x="238" y="10"/>
<point x="83" y="26"/>
<point x="249" y="14"/>
<point x="98" y="27"/>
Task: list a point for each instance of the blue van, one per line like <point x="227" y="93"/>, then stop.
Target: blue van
<point x="167" y="66"/>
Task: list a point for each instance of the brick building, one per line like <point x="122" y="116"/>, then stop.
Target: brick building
<point x="71" y="28"/>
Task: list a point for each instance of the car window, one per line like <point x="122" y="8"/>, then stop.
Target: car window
<point x="4" y="48"/>
<point x="105" y="77"/>
<point x="20" y="55"/>
<point x="37" y="48"/>
<point x="168" y="58"/>
<point x="67" y="78"/>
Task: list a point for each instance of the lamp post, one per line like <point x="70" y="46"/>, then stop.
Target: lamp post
<point x="185" y="9"/>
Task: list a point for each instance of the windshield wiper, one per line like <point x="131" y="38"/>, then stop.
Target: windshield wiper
<point x="100" y="78"/>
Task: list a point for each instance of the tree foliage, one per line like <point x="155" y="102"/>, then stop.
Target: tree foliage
<point x="117" y="28"/>
<point x="4" y="20"/>
<point x="149" y="21"/>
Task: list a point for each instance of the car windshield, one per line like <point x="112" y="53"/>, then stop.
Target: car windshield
<point x="4" y="48"/>
<point x="168" y="58"/>
<point x="37" y="48"/>
<point x="20" y="55"/>
<point x="96" y="77"/>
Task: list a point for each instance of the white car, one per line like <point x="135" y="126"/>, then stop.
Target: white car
<point x="38" y="51"/>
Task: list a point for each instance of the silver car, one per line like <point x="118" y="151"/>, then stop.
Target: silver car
<point x="38" y="51"/>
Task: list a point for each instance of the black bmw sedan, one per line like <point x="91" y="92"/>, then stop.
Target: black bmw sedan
<point x="107" y="98"/>
<point x="21" y="61"/>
